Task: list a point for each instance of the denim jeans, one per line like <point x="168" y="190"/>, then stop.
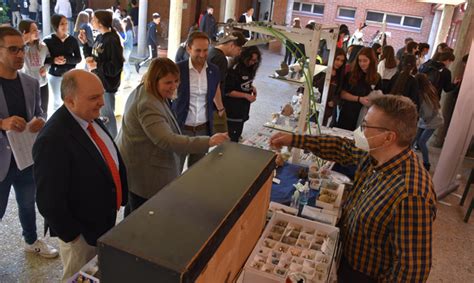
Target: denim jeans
<point x="422" y="137"/>
<point x="25" y="192"/>
<point x="108" y="111"/>
<point x="55" y="83"/>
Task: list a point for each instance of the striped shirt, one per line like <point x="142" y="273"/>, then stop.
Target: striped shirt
<point x="387" y="219"/>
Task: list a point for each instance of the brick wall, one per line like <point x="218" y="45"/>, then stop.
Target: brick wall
<point x="401" y="7"/>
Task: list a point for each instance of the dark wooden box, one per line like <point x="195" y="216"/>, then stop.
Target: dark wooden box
<point x="200" y="228"/>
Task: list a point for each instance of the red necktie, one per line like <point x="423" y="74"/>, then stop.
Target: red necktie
<point x="110" y="163"/>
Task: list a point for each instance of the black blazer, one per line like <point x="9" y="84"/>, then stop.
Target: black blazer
<point x="75" y="190"/>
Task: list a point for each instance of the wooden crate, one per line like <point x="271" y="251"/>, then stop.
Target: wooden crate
<point x="200" y="228"/>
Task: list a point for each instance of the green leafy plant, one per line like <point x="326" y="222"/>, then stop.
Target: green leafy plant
<point x="4" y="14"/>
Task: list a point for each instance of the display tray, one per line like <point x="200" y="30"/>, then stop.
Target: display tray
<point x="292" y="245"/>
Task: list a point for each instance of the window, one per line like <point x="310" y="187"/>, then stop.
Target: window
<point x="375" y="17"/>
<point x="318" y="9"/>
<point x="310" y="8"/>
<point x="412" y="22"/>
<point x="306" y="7"/>
<point x="394" y="20"/>
<point x="346" y="13"/>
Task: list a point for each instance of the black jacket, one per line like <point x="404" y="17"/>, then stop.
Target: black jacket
<point x="208" y="25"/>
<point x="439" y="75"/>
<point x="108" y="53"/>
<point x="69" y="49"/>
<point x="75" y="189"/>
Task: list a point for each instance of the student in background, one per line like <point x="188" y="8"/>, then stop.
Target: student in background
<point x="35" y="56"/>
<point x="387" y="67"/>
<point x="430" y="117"/>
<point x="358" y="83"/>
<point x="335" y="86"/>
<point x="404" y="82"/>
<point x="64" y="54"/>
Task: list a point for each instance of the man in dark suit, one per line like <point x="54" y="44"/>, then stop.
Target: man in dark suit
<point x="198" y="93"/>
<point x="20" y="111"/>
<point x="80" y="177"/>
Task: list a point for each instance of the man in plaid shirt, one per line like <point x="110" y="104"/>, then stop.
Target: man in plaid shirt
<point x="387" y="220"/>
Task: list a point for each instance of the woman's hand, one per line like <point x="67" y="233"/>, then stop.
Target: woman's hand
<point x="218" y="139"/>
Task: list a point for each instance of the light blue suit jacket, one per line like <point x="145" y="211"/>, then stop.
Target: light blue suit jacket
<point x="31" y="89"/>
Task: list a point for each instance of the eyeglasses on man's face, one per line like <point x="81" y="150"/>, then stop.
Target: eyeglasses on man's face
<point x="14" y="49"/>
<point x="364" y="126"/>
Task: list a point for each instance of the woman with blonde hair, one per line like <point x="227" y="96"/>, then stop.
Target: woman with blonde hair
<point x="150" y="139"/>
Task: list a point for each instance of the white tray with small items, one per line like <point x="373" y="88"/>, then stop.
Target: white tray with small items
<point x="291" y="245"/>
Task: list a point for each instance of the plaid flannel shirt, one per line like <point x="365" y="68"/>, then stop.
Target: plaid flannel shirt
<point x="386" y="225"/>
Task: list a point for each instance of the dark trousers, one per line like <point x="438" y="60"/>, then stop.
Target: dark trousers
<point x="235" y="130"/>
<point x="25" y="192"/>
<point x="44" y="93"/>
<point x="135" y="201"/>
<point x="346" y="274"/>
<point x="195" y="157"/>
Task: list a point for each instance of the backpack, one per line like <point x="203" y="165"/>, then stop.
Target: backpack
<point x="431" y="72"/>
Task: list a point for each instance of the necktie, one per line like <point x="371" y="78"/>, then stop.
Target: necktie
<point x="110" y="163"/>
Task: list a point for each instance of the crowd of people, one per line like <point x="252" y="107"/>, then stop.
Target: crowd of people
<point x="85" y="169"/>
<point x="378" y="70"/>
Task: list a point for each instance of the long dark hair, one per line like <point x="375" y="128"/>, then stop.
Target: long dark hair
<point x="245" y="56"/>
<point x="339" y="78"/>
<point x="24" y="27"/>
<point x="409" y="66"/>
<point x="105" y="18"/>
<point x="389" y="55"/>
<point x="371" y="77"/>
<point x="427" y="91"/>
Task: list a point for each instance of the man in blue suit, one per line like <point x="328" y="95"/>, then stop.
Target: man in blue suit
<point x="199" y="92"/>
<point x="20" y="110"/>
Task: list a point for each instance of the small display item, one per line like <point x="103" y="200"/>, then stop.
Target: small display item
<point x="327" y="196"/>
<point x="268" y="268"/>
<point x="287" y="110"/>
<point x="289" y="240"/>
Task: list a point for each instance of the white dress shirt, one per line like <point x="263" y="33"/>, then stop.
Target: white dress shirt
<point x="197" y="96"/>
<point x="102" y="134"/>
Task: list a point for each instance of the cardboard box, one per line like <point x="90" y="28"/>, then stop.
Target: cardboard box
<point x="200" y="228"/>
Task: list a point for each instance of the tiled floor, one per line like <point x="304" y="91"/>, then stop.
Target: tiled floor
<point x="453" y="242"/>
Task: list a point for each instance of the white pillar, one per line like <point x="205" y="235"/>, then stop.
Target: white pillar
<point x="142" y="23"/>
<point x="45" y="8"/>
<point x="289" y="12"/>
<point x="222" y="11"/>
<point x="444" y="25"/>
<point x="434" y="31"/>
<point x="229" y="10"/>
<point x="460" y="134"/>
<point x="288" y="22"/>
<point x="174" y="35"/>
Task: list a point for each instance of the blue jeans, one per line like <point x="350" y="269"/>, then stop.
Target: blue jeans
<point x="422" y="137"/>
<point x="55" y="84"/>
<point x="25" y="192"/>
<point x="108" y="111"/>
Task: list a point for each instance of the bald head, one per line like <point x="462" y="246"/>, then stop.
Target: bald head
<point x="79" y="81"/>
<point x="82" y="93"/>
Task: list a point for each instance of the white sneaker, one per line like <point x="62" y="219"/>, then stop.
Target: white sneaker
<point x="41" y="248"/>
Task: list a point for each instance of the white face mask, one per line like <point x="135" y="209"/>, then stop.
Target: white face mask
<point x="362" y="142"/>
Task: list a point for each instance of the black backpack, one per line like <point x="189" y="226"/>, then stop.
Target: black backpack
<point x="431" y="72"/>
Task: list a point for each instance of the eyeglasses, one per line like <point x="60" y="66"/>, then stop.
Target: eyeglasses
<point x="364" y="126"/>
<point x="14" y="49"/>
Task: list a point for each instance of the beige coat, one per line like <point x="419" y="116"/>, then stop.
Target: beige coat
<point x="152" y="145"/>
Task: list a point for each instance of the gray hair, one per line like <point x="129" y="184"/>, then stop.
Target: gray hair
<point x="68" y="85"/>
